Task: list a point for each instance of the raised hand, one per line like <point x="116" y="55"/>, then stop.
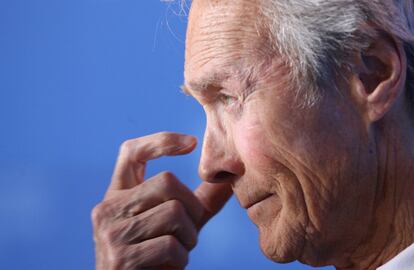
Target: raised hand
<point x="152" y="224"/>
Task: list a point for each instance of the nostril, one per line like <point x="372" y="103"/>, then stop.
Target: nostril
<point x="223" y="175"/>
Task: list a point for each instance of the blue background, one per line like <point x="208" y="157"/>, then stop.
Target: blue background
<point x="78" y="77"/>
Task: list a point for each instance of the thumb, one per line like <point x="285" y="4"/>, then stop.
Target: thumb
<point x="213" y="197"/>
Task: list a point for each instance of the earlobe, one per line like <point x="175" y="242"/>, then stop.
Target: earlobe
<point x="381" y="77"/>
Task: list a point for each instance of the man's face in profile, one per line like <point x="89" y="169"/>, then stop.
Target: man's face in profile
<point x="303" y="175"/>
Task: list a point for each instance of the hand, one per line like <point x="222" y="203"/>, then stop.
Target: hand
<point x="152" y="224"/>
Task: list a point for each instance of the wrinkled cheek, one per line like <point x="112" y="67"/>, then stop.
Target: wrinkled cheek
<point x="282" y="238"/>
<point x="266" y="213"/>
<point x="282" y="219"/>
<point x="251" y="143"/>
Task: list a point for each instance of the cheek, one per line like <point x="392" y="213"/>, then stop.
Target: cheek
<point x="250" y="140"/>
<point x="281" y="220"/>
<point x="265" y="164"/>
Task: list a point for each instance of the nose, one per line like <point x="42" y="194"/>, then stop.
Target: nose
<point x="219" y="161"/>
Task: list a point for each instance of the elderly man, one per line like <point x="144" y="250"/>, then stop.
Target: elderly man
<point x="310" y="123"/>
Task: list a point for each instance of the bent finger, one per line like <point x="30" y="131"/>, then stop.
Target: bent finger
<point x="213" y="196"/>
<point x="157" y="190"/>
<point x="169" y="218"/>
<point x="133" y="155"/>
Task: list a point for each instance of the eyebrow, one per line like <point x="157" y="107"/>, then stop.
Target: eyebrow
<point x="210" y="82"/>
<point x="190" y="89"/>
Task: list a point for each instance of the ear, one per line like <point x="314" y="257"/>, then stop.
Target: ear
<point x="379" y="77"/>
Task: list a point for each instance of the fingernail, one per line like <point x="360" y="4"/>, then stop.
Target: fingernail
<point x="188" y="140"/>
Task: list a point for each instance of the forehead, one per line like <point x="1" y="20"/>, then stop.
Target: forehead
<point x="222" y="36"/>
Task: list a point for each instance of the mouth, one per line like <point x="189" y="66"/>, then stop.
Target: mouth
<point x="258" y="200"/>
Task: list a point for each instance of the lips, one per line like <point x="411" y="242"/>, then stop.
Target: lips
<point x="257" y="200"/>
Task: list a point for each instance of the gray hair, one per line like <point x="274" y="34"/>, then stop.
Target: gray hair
<point x="316" y="37"/>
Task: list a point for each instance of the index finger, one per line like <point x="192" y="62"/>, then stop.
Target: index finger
<point x="133" y="155"/>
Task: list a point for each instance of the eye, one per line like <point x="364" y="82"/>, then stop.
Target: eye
<point x="226" y="99"/>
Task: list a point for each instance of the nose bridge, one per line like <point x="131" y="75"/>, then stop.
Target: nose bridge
<point x="219" y="161"/>
<point x="214" y="141"/>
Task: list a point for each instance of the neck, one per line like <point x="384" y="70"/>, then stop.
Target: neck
<point x="393" y="222"/>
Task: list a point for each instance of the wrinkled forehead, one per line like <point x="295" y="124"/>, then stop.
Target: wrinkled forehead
<point x="222" y="33"/>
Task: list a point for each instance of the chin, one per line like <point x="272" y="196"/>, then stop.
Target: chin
<point x="282" y="240"/>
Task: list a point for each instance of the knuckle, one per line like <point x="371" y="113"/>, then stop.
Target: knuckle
<point x="126" y="148"/>
<point x="176" y="209"/>
<point x="168" y="180"/>
<point x="176" y="254"/>
<point x="171" y="244"/>
<point x="97" y="215"/>
<point x="110" y="236"/>
<point x="103" y="214"/>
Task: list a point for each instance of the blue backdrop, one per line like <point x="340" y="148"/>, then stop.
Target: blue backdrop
<point x="78" y="77"/>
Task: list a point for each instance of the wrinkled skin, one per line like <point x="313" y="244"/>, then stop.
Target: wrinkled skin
<point x="152" y="224"/>
<point x="272" y="148"/>
<point x="318" y="182"/>
<point x="315" y="172"/>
